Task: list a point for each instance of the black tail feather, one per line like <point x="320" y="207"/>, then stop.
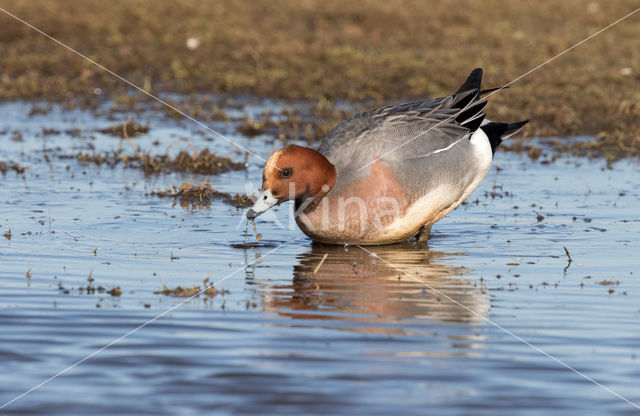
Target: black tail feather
<point x="470" y="112"/>
<point x="473" y="123"/>
<point x="463" y="99"/>
<point x="472" y="82"/>
<point x="467" y="100"/>
<point x="482" y="93"/>
<point x="496" y="132"/>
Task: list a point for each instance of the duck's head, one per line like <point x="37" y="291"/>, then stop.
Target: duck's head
<point x="294" y="173"/>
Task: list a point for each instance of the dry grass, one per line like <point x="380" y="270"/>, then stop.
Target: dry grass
<point x="336" y="49"/>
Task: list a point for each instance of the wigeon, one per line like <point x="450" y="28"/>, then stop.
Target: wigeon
<point x="387" y="174"/>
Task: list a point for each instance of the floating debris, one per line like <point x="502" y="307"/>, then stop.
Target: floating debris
<point x="252" y="128"/>
<point x="187" y="292"/>
<point x="193" y="196"/>
<point x="252" y="244"/>
<point x="539" y="216"/>
<point x="116" y="291"/>
<point x="4" y="167"/>
<point x="534" y="152"/>
<point x="569" y="259"/>
<point x="40" y="110"/>
<point x="125" y="130"/>
<point x="203" y="162"/>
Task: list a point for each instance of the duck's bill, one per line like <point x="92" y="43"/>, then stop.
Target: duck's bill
<point x="265" y="201"/>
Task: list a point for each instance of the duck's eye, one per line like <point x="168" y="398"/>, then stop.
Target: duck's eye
<point x="286" y="172"/>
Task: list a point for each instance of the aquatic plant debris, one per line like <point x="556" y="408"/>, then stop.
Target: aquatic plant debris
<point x="569" y="259"/>
<point x="125" y="130"/>
<point x="200" y="162"/>
<point x="245" y="243"/>
<point x="116" y="291"/>
<point x="255" y="229"/>
<point x="186" y="292"/>
<point x="192" y="196"/>
<point x="5" y="166"/>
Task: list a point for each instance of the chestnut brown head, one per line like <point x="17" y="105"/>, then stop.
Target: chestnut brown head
<point x="293" y="173"/>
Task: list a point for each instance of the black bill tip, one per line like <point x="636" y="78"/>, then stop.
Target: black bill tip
<point x="251" y="214"/>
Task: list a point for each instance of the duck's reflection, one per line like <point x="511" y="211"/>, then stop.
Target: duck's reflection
<point x="406" y="282"/>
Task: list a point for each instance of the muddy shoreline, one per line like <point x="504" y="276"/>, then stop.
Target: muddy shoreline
<point x="330" y="52"/>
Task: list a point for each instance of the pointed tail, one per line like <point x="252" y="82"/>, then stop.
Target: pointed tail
<point x="497" y="132"/>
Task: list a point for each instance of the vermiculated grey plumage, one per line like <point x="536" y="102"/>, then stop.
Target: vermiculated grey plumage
<point x="406" y="136"/>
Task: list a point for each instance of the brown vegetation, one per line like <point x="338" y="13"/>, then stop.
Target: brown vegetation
<point x="323" y="51"/>
<point x="125" y="130"/>
<point x="187" y="292"/>
<point x="201" y="162"/>
<point x="5" y="166"/>
<point x="193" y="196"/>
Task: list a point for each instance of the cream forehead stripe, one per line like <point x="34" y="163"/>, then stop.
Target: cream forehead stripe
<point x="271" y="163"/>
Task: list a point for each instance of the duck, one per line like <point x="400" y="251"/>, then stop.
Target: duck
<point x="386" y="175"/>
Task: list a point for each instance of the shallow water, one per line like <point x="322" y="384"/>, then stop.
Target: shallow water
<point x="406" y="329"/>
